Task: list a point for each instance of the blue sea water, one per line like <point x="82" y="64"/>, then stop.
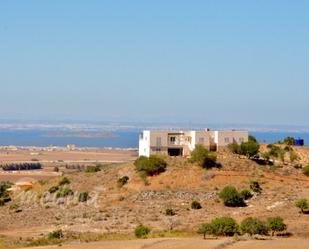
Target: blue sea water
<point x="120" y="139"/>
<point x="271" y="137"/>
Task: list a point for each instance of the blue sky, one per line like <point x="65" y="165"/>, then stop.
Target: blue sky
<point x="192" y="61"/>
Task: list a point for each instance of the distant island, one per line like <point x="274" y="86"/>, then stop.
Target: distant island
<point x="81" y="134"/>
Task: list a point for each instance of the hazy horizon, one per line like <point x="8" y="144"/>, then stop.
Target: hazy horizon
<point x="237" y="62"/>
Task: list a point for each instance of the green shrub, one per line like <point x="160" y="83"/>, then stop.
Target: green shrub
<point x="63" y="192"/>
<point x="143" y="176"/>
<point x="204" y="157"/>
<point x="92" y="168"/>
<point x="306" y="170"/>
<point x="289" y="141"/>
<point x="122" y="181"/>
<point x="276" y="151"/>
<point x="252" y="139"/>
<point x="57" y="234"/>
<point x="151" y="166"/>
<point x="64" y="181"/>
<point x="226" y="226"/>
<point x="195" y="205"/>
<point x="255" y="186"/>
<point x="234" y="148"/>
<point x="293" y="156"/>
<point x="266" y="156"/>
<point x="206" y="229"/>
<point x="14" y="206"/>
<point x="169" y="212"/>
<point x="302" y="204"/>
<point x="4" y="193"/>
<point x="83" y="197"/>
<point x="141" y="163"/>
<point x="231" y="197"/>
<point x="276" y="224"/>
<point x="253" y="226"/>
<point x="249" y="148"/>
<point x="288" y="148"/>
<point x="53" y="189"/>
<point x="141" y="231"/>
<point x="246" y="194"/>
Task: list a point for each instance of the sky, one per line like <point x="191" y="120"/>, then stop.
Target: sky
<point x="157" y="61"/>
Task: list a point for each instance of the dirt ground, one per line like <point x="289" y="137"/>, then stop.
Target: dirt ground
<point x="188" y="243"/>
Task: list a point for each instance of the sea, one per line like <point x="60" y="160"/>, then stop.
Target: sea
<point x="115" y="139"/>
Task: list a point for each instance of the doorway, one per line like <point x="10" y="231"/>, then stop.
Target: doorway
<point x="175" y="151"/>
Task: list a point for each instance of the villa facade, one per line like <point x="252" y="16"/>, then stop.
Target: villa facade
<point x="181" y="143"/>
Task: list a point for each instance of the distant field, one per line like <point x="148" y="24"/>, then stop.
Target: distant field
<point x="85" y="155"/>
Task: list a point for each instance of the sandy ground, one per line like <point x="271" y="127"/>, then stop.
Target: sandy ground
<point x="188" y="243"/>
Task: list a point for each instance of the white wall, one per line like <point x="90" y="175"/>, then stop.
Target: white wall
<point x="144" y="144"/>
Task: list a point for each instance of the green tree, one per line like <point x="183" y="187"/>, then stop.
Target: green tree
<point x="252" y="139"/>
<point x="249" y="148"/>
<point x="226" y="226"/>
<point x="302" y="204"/>
<point x="253" y="226"/>
<point x="203" y="157"/>
<point x="234" y="148"/>
<point x="289" y="141"/>
<point x="231" y="197"/>
<point x="151" y="166"/>
<point x="206" y="229"/>
<point x="276" y="224"/>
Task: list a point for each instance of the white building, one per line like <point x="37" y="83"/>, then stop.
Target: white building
<point x="181" y="143"/>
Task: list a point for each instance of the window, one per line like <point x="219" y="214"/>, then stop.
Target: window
<point x="241" y="140"/>
<point x="173" y="140"/>
<point x="158" y="141"/>
<point x="201" y="140"/>
<point x="227" y="140"/>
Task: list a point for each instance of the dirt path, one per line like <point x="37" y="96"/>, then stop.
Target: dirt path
<point x="168" y="243"/>
<point x="291" y="243"/>
<point x="188" y="243"/>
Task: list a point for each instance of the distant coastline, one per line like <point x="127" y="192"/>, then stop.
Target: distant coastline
<point x="105" y="139"/>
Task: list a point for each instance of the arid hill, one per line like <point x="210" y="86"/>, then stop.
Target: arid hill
<point x="118" y="210"/>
